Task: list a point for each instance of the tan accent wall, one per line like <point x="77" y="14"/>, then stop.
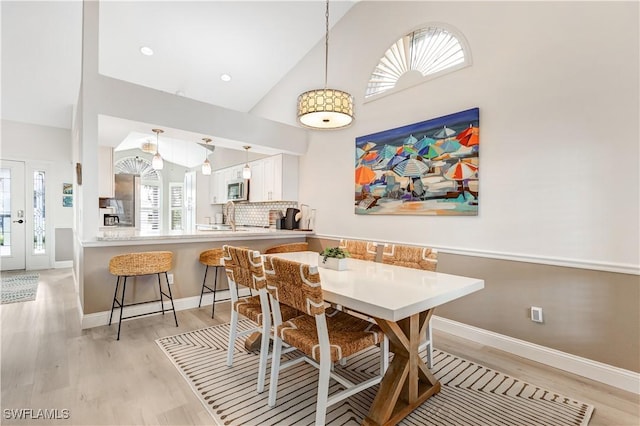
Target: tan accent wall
<point x="99" y="284"/>
<point x="591" y="314"/>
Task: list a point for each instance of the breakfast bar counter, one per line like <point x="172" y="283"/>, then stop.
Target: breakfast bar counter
<point x="129" y="236"/>
<point x="96" y="285"/>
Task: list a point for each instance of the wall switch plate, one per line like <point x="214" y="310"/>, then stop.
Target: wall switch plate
<point x="170" y="278"/>
<point x="536" y="314"/>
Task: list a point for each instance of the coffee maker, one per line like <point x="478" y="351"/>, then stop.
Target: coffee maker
<point x="290" y="221"/>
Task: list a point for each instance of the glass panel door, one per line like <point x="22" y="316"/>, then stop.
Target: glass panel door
<point x="12" y="215"/>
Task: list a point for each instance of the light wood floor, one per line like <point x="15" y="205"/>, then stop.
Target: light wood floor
<point x="49" y="363"/>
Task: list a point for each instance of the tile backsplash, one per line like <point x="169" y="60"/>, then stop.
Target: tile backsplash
<point x="257" y="214"/>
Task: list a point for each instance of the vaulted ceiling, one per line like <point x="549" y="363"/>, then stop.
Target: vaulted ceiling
<point x="194" y="43"/>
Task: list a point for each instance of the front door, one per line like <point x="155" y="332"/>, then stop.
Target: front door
<point x="12" y="215"/>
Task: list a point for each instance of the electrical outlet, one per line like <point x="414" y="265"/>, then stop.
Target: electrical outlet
<point x="170" y="278"/>
<point x="536" y="314"/>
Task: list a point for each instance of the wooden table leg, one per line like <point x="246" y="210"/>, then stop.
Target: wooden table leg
<point x="408" y="382"/>
<point x="252" y="344"/>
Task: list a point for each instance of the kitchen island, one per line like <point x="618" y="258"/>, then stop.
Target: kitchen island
<point x="96" y="285"/>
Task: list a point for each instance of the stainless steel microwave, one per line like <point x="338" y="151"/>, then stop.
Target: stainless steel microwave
<point x="238" y="190"/>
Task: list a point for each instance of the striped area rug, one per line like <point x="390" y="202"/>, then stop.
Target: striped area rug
<point x="471" y="394"/>
<point x="19" y="287"/>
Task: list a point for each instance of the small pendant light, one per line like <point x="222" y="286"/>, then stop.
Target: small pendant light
<point x="157" y="162"/>
<point x="206" y="166"/>
<point x="246" y="170"/>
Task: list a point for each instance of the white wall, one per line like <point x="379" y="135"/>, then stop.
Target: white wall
<point x="48" y="147"/>
<point x="101" y="95"/>
<point x="558" y="96"/>
<point x="29" y="142"/>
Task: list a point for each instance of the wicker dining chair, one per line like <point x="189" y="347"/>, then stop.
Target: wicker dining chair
<point x="134" y="265"/>
<point x="287" y="248"/>
<point x="410" y="256"/>
<point x="244" y="268"/>
<point x="363" y="250"/>
<point x="325" y="336"/>
<point x="424" y="258"/>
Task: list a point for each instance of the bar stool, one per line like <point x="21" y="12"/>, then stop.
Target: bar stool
<point x="211" y="258"/>
<point x="137" y="264"/>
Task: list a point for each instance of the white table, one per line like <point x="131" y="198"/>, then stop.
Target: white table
<point x="402" y="301"/>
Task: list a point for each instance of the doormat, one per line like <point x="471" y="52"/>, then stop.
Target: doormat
<point x="19" y="287"/>
<point x="471" y="394"/>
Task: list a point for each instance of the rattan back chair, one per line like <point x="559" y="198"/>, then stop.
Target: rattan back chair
<point x="238" y="264"/>
<point x="323" y="335"/>
<point x="363" y="250"/>
<point x="288" y="248"/>
<point x="139" y="264"/>
<point x="424" y="258"/>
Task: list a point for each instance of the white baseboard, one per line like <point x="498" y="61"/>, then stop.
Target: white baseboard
<point x="64" y="264"/>
<point x="102" y="318"/>
<point x="604" y="373"/>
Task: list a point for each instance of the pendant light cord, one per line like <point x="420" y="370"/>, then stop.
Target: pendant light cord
<point x="326" y="46"/>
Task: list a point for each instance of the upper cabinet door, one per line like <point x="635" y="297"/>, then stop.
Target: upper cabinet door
<point x="257" y="182"/>
<point x="219" y="186"/>
<point x="272" y="191"/>
<point x="105" y="172"/>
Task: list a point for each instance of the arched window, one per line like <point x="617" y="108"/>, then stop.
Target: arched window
<point x="430" y="51"/>
<point x="150" y="191"/>
<point x="137" y="166"/>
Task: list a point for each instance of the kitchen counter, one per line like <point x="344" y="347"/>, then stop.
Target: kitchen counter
<point x="96" y="284"/>
<point x="128" y="236"/>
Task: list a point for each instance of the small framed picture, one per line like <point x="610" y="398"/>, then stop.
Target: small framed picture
<point x="79" y="173"/>
<point x="67" y="195"/>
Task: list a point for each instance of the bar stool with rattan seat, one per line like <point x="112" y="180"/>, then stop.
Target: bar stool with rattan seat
<point x="211" y="258"/>
<point x="135" y="265"/>
<point x="288" y="248"/>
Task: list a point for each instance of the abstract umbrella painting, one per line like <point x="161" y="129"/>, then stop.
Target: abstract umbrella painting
<point x="426" y="168"/>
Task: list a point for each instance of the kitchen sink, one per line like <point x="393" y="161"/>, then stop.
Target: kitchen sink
<point x="226" y="228"/>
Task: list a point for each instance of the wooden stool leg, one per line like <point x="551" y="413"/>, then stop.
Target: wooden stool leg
<point x="115" y="295"/>
<point x="161" y="300"/>
<point x="171" y="297"/>
<point x="124" y="288"/>
<point x="215" y="288"/>
<point x="204" y="282"/>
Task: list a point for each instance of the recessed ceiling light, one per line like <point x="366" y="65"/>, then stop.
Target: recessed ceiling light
<point x="225" y="77"/>
<point x="146" y="50"/>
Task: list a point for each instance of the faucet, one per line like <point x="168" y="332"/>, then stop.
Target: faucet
<point x="231" y="216"/>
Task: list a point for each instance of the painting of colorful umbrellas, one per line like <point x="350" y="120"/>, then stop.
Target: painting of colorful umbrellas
<point x="426" y="168"/>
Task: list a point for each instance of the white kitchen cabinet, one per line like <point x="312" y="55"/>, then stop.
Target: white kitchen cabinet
<point x="256" y="183"/>
<point x="105" y="172"/>
<point x="219" y="187"/>
<point x="273" y="178"/>
<point x="276" y="178"/>
<point x="235" y="172"/>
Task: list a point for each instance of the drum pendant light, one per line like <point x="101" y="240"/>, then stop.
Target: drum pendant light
<point x="325" y="108"/>
<point x="157" y="162"/>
